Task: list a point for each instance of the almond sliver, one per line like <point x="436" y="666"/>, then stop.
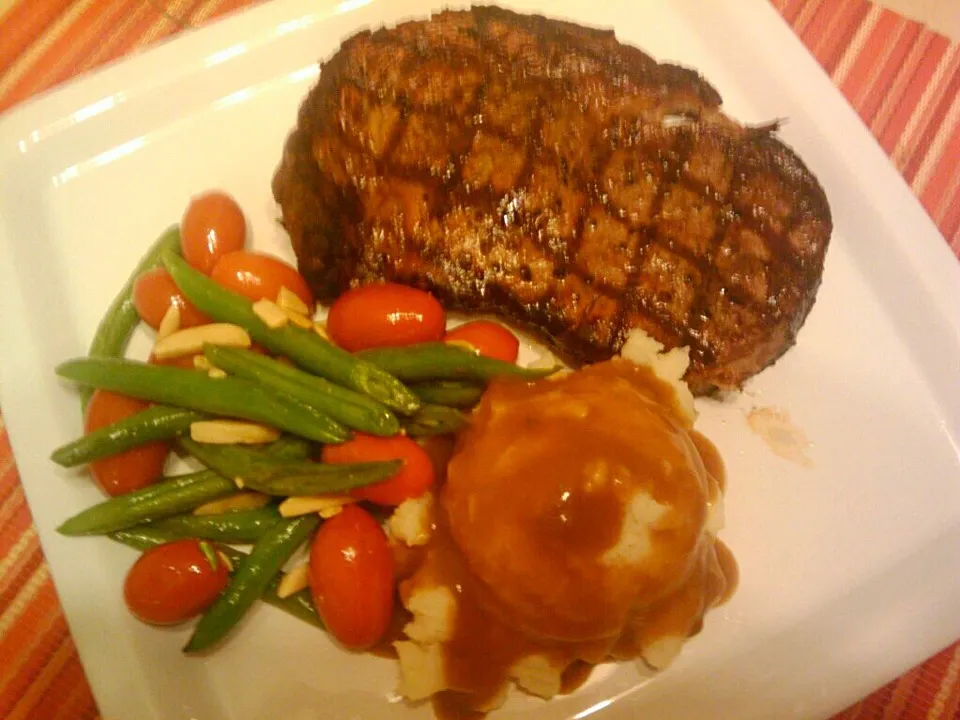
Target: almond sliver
<point x="321" y="329"/>
<point x="272" y="314"/>
<point x="294" y="581"/>
<point x="191" y="340"/>
<point x="305" y="504"/>
<point x="289" y="300"/>
<point x="170" y="322"/>
<point x="228" y="432"/>
<point x="247" y="500"/>
<point x="201" y="362"/>
<point x="298" y="319"/>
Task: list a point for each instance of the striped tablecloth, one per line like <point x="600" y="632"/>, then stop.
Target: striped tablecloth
<point x="903" y="79"/>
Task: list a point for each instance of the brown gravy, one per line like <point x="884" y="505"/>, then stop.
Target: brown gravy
<point x="574" y="676"/>
<point x="730" y="571"/>
<point x="530" y="527"/>
<point x="451" y="705"/>
<point x="711" y="458"/>
<point x="398" y="620"/>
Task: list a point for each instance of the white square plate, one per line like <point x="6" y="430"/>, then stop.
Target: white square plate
<point x="850" y="569"/>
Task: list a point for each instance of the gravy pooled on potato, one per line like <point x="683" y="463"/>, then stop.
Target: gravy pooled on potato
<point x="577" y="523"/>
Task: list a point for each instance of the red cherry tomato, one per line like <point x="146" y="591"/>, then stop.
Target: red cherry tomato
<point x="173" y="582"/>
<point x="488" y="338"/>
<point x="351" y="577"/>
<point x="259" y="276"/>
<point x="212" y="226"/>
<point x="154" y="292"/>
<point x="385" y="314"/>
<point x="416" y="476"/>
<point x="134" y="468"/>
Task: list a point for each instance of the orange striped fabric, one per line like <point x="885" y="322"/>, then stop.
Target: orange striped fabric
<point x="903" y="80"/>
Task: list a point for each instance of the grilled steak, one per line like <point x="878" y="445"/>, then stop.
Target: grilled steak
<point x="544" y="172"/>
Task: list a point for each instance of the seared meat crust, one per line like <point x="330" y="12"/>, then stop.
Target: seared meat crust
<point x="544" y="172"/>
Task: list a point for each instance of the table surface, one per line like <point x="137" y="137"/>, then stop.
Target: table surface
<point x="902" y="78"/>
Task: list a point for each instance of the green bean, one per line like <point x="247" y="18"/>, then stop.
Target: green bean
<point x="250" y="580"/>
<point x="155" y="423"/>
<point x="165" y="498"/>
<point x="241" y="526"/>
<point x="354" y="410"/>
<point x="286" y="447"/>
<point x="435" y="420"/>
<point x="116" y="326"/>
<point x="198" y="391"/>
<point x="304" y="347"/>
<point x="279" y="477"/>
<point x="144" y="537"/>
<point x="462" y="394"/>
<point x="442" y="361"/>
<point x="171" y="496"/>
<point x="320" y="385"/>
<point x="299" y="605"/>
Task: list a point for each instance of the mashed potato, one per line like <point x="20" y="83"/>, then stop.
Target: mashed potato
<point x="577" y="523"/>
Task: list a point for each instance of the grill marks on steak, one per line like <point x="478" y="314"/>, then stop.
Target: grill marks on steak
<point x="541" y="170"/>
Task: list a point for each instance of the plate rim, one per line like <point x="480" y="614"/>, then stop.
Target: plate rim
<point x="931" y="260"/>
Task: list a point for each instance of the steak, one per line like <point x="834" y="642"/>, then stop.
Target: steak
<point x="544" y="172"/>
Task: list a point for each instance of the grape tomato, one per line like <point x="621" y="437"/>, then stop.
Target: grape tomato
<point x="488" y="338"/>
<point x="174" y="582"/>
<point x="134" y="468"/>
<point x="351" y="577"/>
<point x="212" y="226"/>
<point x="385" y="314"/>
<point x="258" y="277"/>
<point x="416" y="475"/>
<point x="153" y="294"/>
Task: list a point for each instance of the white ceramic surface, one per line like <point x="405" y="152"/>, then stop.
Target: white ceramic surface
<point x="850" y="570"/>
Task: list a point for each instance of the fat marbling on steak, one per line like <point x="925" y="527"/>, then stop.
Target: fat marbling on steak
<point x="544" y="172"/>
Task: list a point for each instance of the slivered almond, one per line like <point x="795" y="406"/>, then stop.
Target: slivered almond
<point x="294" y="581"/>
<point x="298" y="319"/>
<point x="272" y="314"/>
<point x="321" y="329"/>
<point x="216" y="373"/>
<point x="229" y="432"/>
<point x="201" y="362"/>
<point x="170" y="322"/>
<point x="191" y="340"/>
<point x="329" y="512"/>
<point x="305" y="504"/>
<point x="238" y="481"/>
<point x="247" y="500"/>
<point x="289" y="300"/>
